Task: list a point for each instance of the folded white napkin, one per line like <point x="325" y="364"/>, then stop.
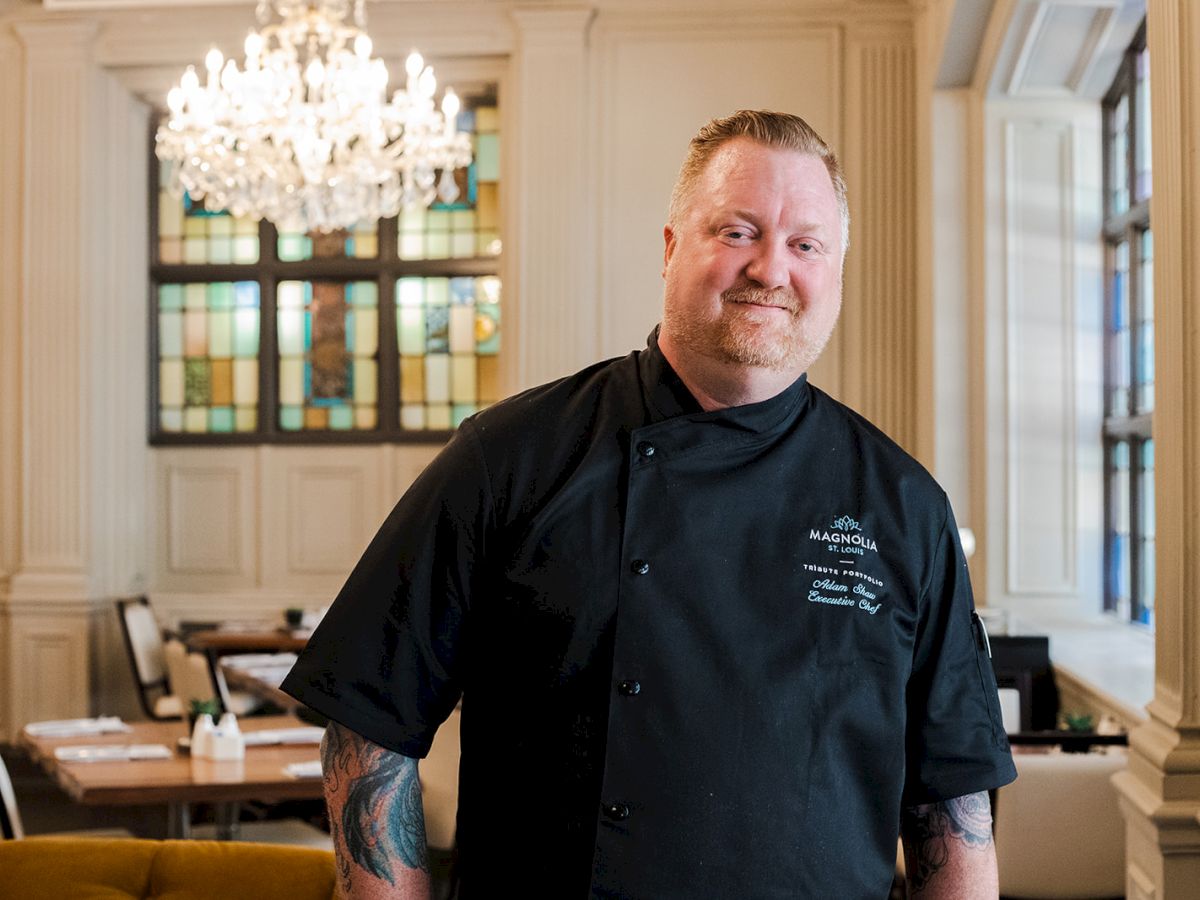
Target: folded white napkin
<point x="63" y="728"/>
<point x="258" y="660"/>
<point x="112" y="752"/>
<point x="272" y="675"/>
<point x="303" y="769"/>
<point x="309" y="735"/>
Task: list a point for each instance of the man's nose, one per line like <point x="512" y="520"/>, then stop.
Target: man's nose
<point x="769" y="267"/>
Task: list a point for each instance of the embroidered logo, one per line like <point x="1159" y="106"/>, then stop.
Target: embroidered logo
<point x="845" y="535"/>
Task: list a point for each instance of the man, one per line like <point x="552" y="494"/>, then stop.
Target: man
<point x="712" y="631"/>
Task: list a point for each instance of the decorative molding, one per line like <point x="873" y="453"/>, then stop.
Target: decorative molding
<point x="49" y="675"/>
<point x="1138" y="885"/>
<point x="60" y="92"/>
<point x="12" y="90"/>
<point x="1160" y="792"/>
<point x="1039" y="371"/>
<point x="327" y="506"/>
<point x="203" y="521"/>
<point x="114" y="335"/>
<point x="880" y="375"/>
<point x="552" y="266"/>
<point x="207" y="521"/>
<point x="1037" y="43"/>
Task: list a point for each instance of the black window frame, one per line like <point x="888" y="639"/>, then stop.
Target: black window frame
<point x="1128" y="424"/>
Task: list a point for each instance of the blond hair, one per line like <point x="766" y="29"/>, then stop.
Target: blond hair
<point x="772" y="129"/>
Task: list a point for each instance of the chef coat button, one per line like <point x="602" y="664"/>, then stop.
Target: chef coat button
<point x="639" y="567"/>
<point x="646" y="449"/>
<point x="617" y="811"/>
<point x="629" y="688"/>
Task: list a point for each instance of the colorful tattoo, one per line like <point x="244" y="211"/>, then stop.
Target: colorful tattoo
<point x="929" y="828"/>
<point x="382" y="820"/>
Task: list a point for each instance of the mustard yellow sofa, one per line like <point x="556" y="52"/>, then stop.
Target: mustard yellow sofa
<point x="115" y="869"/>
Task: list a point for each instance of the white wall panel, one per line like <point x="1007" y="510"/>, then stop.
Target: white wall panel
<point x="51" y="658"/>
<point x="1039" y="370"/>
<point x="207" y="519"/>
<point x="1044" y="296"/>
<point x="657" y="82"/>
<point x="321" y="505"/>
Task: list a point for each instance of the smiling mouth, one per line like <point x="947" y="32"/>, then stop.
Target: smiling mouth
<point x="762" y="299"/>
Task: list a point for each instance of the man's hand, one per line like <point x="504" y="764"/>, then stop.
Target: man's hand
<point x="948" y="849"/>
<point x="376" y="817"/>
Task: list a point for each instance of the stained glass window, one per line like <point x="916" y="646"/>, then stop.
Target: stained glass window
<point x="448" y="331"/>
<point x="208" y="343"/>
<point x="328" y="335"/>
<point x="470" y="226"/>
<point x="361" y="242"/>
<point x="188" y="232"/>
<point x="1129" y="342"/>
<point x="389" y="331"/>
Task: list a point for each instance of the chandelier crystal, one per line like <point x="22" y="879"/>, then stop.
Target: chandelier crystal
<point x="303" y="134"/>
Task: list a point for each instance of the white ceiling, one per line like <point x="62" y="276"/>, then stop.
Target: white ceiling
<point x="1050" y="49"/>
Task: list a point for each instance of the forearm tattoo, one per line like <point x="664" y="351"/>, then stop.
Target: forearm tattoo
<point x="929" y="829"/>
<point x="375" y="810"/>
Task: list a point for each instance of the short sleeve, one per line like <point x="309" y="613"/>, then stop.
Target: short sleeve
<point x="955" y="740"/>
<point x="385" y="661"/>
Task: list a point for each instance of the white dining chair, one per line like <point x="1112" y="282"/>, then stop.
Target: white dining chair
<point x="12" y="828"/>
<point x="144" y="643"/>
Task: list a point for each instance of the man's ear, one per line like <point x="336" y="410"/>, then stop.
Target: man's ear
<point x="668" y="247"/>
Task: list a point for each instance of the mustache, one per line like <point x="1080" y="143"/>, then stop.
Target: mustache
<point x="781" y="297"/>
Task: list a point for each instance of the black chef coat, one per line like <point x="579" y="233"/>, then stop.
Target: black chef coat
<point x="700" y="654"/>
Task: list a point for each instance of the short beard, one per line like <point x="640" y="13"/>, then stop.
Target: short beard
<point x="734" y="337"/>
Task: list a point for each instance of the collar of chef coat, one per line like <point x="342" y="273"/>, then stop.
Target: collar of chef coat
<point x="667" y="397"/>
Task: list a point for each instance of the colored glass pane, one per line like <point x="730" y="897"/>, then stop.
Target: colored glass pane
<point x="189" y="232"/>
<point x="1144" y="376"/>
<point x="208" y="357"/>
<point x="328" y="338"/>
<point x="360" y="242"/>
<point x="470" y="226"/>
<point x="1118" y="157"/>
<point x="1142" y="127"/>
<point x="1119" y="374"/>
<point x="448" y="330"/>
<point x="1119" y="568"/>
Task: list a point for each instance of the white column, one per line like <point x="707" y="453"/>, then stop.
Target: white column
<point x="48" y="595"/>
<point x="10" y="337"/>
<point x="881" y="376"/>
<point x="1160" y="791"/>
<point x="552" y="271"/>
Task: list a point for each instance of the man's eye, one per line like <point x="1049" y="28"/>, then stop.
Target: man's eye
<point x="805" y="247"/>
<point x="736" y="235"/>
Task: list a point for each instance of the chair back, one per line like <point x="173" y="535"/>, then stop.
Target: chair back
<point x="143" y="639"/>
<point x="438" y="772"/>
<point x="10" y="817"/>
<point x="1059" y="830"/>
<point x="189" y="673"/>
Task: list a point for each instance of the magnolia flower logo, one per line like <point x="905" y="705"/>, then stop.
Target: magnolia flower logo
<point x="845" y="523"/>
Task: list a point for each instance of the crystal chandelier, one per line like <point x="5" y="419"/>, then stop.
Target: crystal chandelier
<point x="304" y="134"/>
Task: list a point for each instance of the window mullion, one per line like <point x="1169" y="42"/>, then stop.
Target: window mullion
<point x="389" y="351"/>
<point x="268" y="351"/>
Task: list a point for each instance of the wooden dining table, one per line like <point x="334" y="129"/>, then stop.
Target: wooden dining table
<point x="180" y="780"/>
<point x="220" y="641"/>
